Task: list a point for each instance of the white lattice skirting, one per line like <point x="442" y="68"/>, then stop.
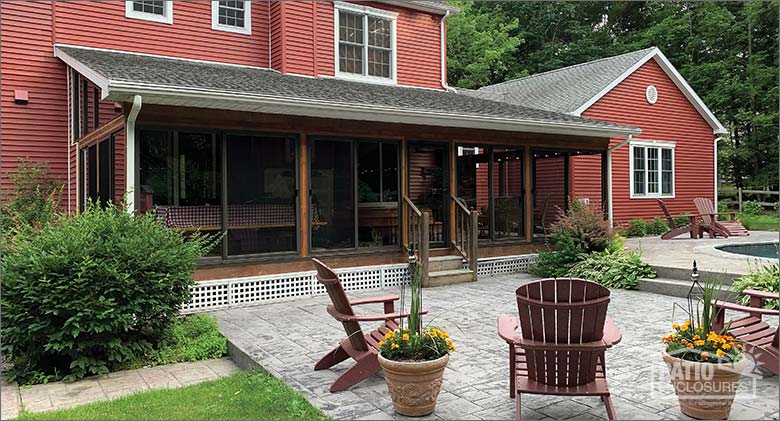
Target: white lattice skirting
<point x="226" y="293"/>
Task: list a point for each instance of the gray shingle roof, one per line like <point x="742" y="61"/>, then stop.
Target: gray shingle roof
<point x="563" y="90"/>
<point x="124" y="71"/>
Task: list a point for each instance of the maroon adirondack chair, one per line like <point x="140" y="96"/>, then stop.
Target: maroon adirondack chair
<point x="360" y="347"/>
<point x="692" y="228"/>
<point x="564" y="333"/>
<point x="709" y="217"/>
<point x="758" y="337"/>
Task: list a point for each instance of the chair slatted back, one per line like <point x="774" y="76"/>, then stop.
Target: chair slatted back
<point x="562" y="311"/>
<point x="330" y="280"/>
<point x="706" y="209"/>
<point x="668" y="216"/>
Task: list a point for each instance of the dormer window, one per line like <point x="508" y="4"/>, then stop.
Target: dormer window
<point x="153" y="10"/>
<point x="365" y="43"/>
<point x="232" y="16"/>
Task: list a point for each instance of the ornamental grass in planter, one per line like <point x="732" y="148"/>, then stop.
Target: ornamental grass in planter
<point x="413" y="359"/>
<point x="705" y="366"/>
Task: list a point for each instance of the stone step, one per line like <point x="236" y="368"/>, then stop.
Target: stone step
<point x="441" y="263"/>
<point x="664" y="272"/>
<point x="449" y="277"/>
<point x="677" y="288"/>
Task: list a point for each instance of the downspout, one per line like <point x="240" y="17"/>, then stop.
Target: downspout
<point x="443" y="50"/>
<point x="130" y="153"/>
<point x="609" y="176"/>
<point x="715" y="168"/>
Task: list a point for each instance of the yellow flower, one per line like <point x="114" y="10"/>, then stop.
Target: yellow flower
<point x="720" y="353"/>
<point x="696" y="337"/>
<point x="684" y="327"/>
<point x="690" y="346"/>
<point x="687" y="323"/>
<point x="675" y="326"/>
<point x="726" y="346"/>
<point x="388" y="335"/>
<point x="381" y="343"/>
<point x="698" y="343"/>
<point x="452" y="348"/>
<point x="394" y="345"/>
<point x="705" y="355"/>
<point x="444" y="334"/>
<point x="405" y="336"/>
<point x="449" y="342"/>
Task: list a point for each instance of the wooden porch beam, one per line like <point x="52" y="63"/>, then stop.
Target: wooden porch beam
<point x="453" y="187"/>
<point x="102" y="132"/>
<point x="303" y="193"/>
<point x="528" y="184"/>
<point x="404" y="192"/>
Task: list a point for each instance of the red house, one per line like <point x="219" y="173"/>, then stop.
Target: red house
<point x="297" y="129"/>
<point x="675" y="156"/>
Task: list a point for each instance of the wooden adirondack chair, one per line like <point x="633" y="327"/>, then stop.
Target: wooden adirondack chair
<point x="692" y="228"/>
<point x="358" y="346"/>
<point x="709" y="217"/>
<point x="565" y="332"/>
<point x="758" y="337"/>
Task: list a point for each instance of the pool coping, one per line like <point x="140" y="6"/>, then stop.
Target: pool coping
<point x="714" y="250"/>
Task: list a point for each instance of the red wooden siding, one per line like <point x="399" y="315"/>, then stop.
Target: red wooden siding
<point x="548" y="180"/>
<point x="672" y="118"/>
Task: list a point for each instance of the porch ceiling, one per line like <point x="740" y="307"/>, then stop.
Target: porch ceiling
<point x="180" y="82"/>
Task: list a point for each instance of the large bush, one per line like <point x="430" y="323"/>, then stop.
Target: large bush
<point x="93" y="292"/>
<point x="761" y="278"/>
<point x="657" y="226"/>
<point x="33" y="202"/>
<point x="614" y="269"/>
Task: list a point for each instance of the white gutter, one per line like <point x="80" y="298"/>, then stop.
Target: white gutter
<point x="443" y="50"/>
<point x="170" y="95"/>
<point x="130" y="165"/>
<point x="609" y="176"/>
<point x="715" y="168"/>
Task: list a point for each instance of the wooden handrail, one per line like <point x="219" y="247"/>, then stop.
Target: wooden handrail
<point x="465" y="240"/>
<point x="418" y="232"/>
<point x="411" y="206"/>
<point x="460" y="203"/>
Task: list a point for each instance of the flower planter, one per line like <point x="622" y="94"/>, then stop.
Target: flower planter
<point x="705" y="390"/>
<point x="414" y="386"/>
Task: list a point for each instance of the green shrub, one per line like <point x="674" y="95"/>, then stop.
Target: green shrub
<point x="658" y="226"/>
<point x="682" y="220"/>
<point x="34" y="201"/>
<point x="585" y="226"/>
<point x="621" y="269"/>
<point x="192" y="338"/>
<point x="724" y="205"/>
<point x="636" y="228"/>
<point x="92" y="293"/>
<point x="760" y="222"/>
<point x="555" y="264"/>
<point x="752" y="208"/>
<point x="761" y="278"/>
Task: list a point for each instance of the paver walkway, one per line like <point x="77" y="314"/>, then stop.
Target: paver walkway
<point x="58" y="395"/>
<point x="287" y="338"/>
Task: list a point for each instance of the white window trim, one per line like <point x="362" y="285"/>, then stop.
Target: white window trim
<point x="365" y="11"/>
<point x="247" y="29"/>
<point x="167" y="16"/>
<point x="651" y="144"/>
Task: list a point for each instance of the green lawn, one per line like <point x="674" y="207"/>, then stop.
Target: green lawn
<point x="242" y="396"/>
<point x="760" y="222"/>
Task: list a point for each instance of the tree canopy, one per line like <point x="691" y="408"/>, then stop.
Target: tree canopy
<point x="727" y="51"/>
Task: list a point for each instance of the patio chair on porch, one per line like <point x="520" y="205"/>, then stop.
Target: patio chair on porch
<point x="692" y="228"/>
<point x="758" y="337"/>
<point x="564" y="333"/>
<point x="360" y="347"/>
<point x="709" y="217"/>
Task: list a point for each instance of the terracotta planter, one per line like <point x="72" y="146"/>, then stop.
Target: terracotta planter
<point x="705" y="390"/>
<point x="414" y="386"/>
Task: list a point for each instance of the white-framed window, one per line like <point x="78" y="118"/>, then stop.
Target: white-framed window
<point x="652" y="169"/>
<point x="465" y="150"/>
<point x="232" y="16"/>
<point x="365" y="43"/>
<point x="153" y="10"/>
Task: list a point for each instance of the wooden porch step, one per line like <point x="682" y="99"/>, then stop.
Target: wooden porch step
<point x="441" y="263"/>
<point x="449" y="277"/>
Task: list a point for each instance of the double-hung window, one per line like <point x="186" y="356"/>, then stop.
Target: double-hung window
<point x="232" y="16"/>
<point x="365" y="42"/>
<point x="153" y="10"/>
<point x="652" y="169"/>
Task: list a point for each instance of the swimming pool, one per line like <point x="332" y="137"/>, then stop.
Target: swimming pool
<point x="763" y="250"/>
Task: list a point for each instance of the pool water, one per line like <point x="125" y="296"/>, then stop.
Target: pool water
<point x="763" y="250"/>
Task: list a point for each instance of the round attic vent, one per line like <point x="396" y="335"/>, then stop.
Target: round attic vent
<point x="651" y="93"/>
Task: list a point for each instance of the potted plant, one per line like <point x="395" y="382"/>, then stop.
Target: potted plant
<point x="705" y="365"/>
<point x="413" y="359"/>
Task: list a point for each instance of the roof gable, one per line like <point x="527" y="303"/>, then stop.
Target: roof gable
<point x="576" y="88"/>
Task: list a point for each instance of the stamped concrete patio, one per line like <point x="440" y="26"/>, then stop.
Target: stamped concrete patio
<point x="287" y="338"/>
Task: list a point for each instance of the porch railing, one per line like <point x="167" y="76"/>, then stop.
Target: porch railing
<point x="465" y="241"/>
<point x="417" y="239"/>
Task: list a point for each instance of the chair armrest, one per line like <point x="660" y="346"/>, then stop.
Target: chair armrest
<point x="761" y="294"/>
<point x="371" y="300"/>
<point x="745" y="309"/>
<point x="548" y="346"/>
<point x="507" y="327"/>
<point x="612" y="335"/>
<point x="368" y="318"/>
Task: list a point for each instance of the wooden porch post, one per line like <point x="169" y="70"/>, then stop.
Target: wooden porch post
<point x="567" y="180"/>
<point x="303" y="193"/>
<point x="528" y="186"/>
<point x="404" y="192"/>
<point x="452" y="162"/>
<point x="605" y="183"/>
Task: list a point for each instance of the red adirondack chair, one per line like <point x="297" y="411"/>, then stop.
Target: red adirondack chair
<point x="565" y="332"/>
<point x="709" y="217"/>
<point x="360" y="347"/>
<point x="758" y="337"/>
<point x="692" y="228"/>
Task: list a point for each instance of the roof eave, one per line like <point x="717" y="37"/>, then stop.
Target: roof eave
<point x="203" y="98"/>
<point x="430" y="8"/>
